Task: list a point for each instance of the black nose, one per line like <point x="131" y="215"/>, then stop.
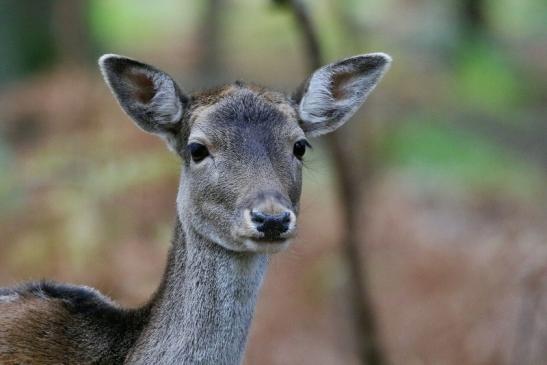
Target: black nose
<point x="271" y="225"/>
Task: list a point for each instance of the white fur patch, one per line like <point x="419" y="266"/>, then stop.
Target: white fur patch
<point x="165" y="104"/>
<point x="266" y="247"/>
<point x="9" y="298"/>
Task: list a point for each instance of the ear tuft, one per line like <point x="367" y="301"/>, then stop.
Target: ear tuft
<point x="336" y="91"/>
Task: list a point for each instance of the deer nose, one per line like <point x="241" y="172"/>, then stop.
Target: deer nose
<point x="272" y="225"/>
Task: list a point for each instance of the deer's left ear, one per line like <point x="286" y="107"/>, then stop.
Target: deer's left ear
<point x="149" y="96"/>
<point x="334" y="92"/>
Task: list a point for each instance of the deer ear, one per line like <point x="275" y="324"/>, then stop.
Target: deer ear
<point x="334" y="92"/>
<point x="149" y="96"/>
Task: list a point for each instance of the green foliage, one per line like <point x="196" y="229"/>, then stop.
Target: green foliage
<point x="26" y="38"/>
<point x="518" y="19"/>
<point x="445" y="152"/>
<point x="129" y="24"/>
<point x="485" y="79"/>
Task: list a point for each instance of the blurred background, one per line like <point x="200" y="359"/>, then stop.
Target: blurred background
<point x="450" y="153"/>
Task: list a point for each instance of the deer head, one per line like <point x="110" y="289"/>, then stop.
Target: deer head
<point x="242" y="146"/>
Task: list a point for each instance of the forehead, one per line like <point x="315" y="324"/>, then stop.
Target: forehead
<point x="243" y="111"/>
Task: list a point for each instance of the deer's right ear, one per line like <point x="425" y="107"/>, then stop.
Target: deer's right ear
<point x="149" y="96"/>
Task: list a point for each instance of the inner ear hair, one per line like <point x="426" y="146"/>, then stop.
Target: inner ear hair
<point x="144" y="89"/>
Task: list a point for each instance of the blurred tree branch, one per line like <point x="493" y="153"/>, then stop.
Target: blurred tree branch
<point x="348" y="183"/>
<point x="473" y="18"/>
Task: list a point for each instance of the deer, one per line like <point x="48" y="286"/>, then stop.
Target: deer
<point x="241" y="149"/>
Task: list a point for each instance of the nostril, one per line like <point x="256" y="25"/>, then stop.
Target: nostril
<point x="258" y="217"/>
<point x="286" y="218"/>
<point x="272" y="225"/>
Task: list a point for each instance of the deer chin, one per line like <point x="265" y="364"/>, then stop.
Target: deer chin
<point x="265" y="246"/>
<point x="255" y="243"/>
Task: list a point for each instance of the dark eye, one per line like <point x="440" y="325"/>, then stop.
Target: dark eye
<point x="198" y="151"/>
<point x="299" y="148"/>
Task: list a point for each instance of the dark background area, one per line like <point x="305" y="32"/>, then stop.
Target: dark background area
<point x="450" y="153"/>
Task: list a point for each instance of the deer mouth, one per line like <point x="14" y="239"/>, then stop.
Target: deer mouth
<point x="268" y="240"/>
<point x="263" y="245"/>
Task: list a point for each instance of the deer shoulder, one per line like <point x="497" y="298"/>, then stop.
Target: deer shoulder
<point x="50" y="323"/>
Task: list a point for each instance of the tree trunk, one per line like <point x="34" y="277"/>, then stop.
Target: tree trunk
<point x="71" y="29"/>
<point x="472" y="19"/>
<point x="348" y="184"/>
<point x="209" y="65"/>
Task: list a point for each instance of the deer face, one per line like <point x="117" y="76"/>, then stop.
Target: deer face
<point x="242" y="146"/>
<point x="242" y="168"/>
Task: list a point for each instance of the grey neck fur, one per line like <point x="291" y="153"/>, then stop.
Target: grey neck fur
<point x="202" y="311"/>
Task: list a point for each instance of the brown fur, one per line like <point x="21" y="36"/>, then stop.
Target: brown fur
<point x="47" y="323"/>
<point x="145" y="90"/>
<point x="338" y="80"/>
<point x="32" y="332"/>
<point x="212" y="96"/>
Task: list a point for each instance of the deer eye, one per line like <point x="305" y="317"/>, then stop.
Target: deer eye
<point x="299" y="148"/>
<point x="198" y="151"/>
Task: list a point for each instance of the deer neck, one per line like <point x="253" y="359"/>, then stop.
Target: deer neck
<point x="203" y="309"/>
